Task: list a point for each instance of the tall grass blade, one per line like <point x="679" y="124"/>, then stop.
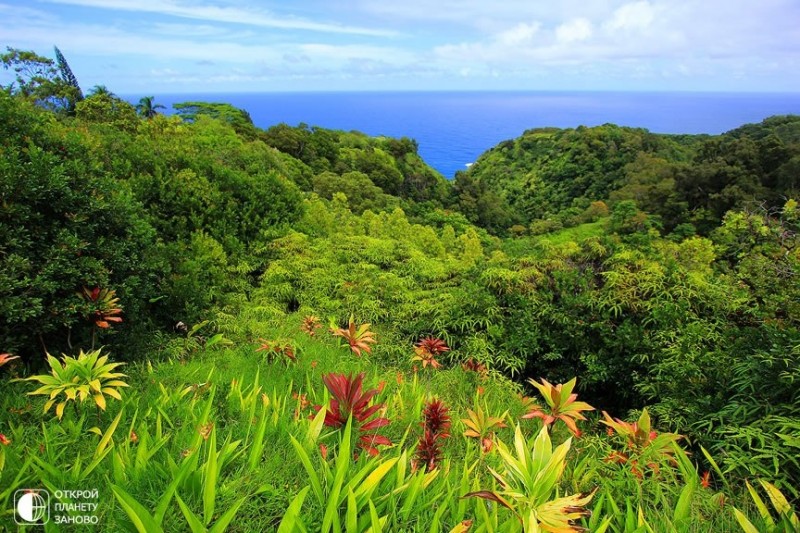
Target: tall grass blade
<point x="291" y="522"/>
<point x="210" y="478"/>
<point x="142" y="520"/>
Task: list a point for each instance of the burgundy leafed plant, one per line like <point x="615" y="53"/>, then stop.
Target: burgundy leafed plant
<point x="310" y="325"/>
<point x="436" y="423"/>
<point x="471" y="365"/>
<point x="428" y="349"/>
<point x="273" y="348"/>
<point x="349" y="399"/>
<point x="104" y="306"/>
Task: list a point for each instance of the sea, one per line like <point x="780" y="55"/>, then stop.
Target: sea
<point x="454" y="128"/>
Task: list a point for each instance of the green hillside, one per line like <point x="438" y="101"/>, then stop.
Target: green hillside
<point x="593" y="328"/>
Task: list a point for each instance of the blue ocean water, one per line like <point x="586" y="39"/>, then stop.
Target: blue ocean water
<point x="454" y="128"/>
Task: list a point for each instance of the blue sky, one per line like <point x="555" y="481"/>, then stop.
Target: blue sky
<point x="175" y="46"/>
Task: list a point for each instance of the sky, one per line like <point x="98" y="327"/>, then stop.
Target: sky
<point x="176" y="46"/>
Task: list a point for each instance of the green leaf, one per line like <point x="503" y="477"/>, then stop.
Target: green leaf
<point x="221" y="525"/>
<point x="684" y="507"/>
<point x="192" y="519"/>
<point x="291" y="521"/>
<point x="313" y="477"/>
<point x="351" y="516"/>
<point x="101" y="446"/>
<point x="210" y="476"/>
<point x="746" y="525"/>
<point x="141" y="519"/>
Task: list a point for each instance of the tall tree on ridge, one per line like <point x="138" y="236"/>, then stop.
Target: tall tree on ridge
<point x="70" y="79"/>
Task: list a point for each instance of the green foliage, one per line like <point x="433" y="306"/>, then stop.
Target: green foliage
<point x="528" y="482"/>
<point x="239" y="119"/>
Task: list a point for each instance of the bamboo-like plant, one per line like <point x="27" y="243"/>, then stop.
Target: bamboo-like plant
<point x="787" y="520"/>
<point x="77" y="379"/>
<point x="529" y="484"/>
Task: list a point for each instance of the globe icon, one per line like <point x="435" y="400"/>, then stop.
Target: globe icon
<point x="32" y="507"/>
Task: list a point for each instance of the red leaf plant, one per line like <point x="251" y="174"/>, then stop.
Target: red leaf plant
<point x="310" y="325"/>
<point x="358" y="338"/>
<point x="428" y="349"/>
<point x="349" y="399"/>
<point x="436" y="423"/>
<point x="274" y="348"/>
<point x="104" y="306"/>
<point x="5" y="358"/>
<point x="471" y="365"/>
<point x="561" y="405"/>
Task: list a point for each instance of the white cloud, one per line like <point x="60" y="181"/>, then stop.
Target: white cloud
<point x="575" y="30"/>
<point x="522" y="33"/>
<point x="633" y="16"/>
<point x="234" y="15"/>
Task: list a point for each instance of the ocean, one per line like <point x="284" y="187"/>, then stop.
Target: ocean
<point x="454" y="128"/>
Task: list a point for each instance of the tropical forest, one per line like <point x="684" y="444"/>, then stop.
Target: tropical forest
<point x="208" y="326"/>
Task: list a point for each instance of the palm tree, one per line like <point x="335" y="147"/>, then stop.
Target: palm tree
<point x="146" y="108"/>
<point x="101" y="90"/>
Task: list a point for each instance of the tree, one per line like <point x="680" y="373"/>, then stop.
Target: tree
<point x="238" y="118"/>
<point x="38" y="80"/>
<point x="101" y="90"/>
<point x="147" y="108"/>
<point x="70" y="79"/>
<point x="106" y="108"/>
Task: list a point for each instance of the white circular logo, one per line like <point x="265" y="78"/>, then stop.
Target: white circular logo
<point x="31" y="507"/>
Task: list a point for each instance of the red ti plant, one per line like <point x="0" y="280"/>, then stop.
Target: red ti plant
<point x="104" y="306"/>
<point x="310" y="325"/>
<point x="273" y="348"/>
<point x="643" y="444"/>
<point x="428" y="349"/>
<point x="5" y="358"/>
<point x="561" y="401"/>
<point x="471" y="365"/>
<point x="436" y="423"/>
<point x="358" y="337"/>
<point x="349" y="399"/>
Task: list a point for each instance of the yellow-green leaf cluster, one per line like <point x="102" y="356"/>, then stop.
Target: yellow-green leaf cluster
<point x="76" y="379"/>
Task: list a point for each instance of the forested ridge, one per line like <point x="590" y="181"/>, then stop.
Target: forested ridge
<point x="244" y="275"/>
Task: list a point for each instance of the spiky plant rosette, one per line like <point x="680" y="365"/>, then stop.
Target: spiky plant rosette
<point x="427" y="349"/>
<point x="349" y="399"/>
